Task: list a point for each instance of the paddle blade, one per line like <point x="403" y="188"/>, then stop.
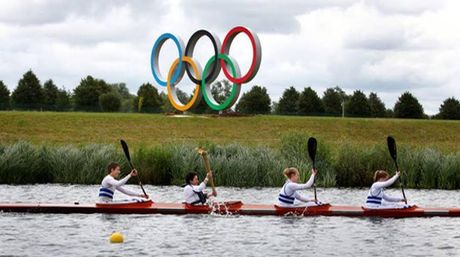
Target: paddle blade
<point x="126" y="151"/>
<point x="312" y="148"/>
<point x="392" y="147"/>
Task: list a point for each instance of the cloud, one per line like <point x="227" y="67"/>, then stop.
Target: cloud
<point x="277" y="17"/>
<point x="406" y="7"/>
<point x="384" y="46"/>
<point x="36" y="13"/>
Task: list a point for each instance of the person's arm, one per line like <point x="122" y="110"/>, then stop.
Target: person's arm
<point x="392" y="199"/>
<point x="383" y="184"/>
<point x="117" y="183"/>
<point x="295" y="186"/>
<point x="129" y="192"/>
<point x="202" y="185"/>
<point x="311" y="180"/>
<point x="301" y="197"/>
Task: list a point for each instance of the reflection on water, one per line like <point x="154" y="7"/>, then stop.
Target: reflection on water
<point x="200" y="235"/>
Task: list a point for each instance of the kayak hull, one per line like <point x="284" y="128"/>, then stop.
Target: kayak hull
<point x="228" y="208"/>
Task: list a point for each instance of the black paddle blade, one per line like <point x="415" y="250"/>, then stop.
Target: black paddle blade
<point x="312" y="153"/>
<point x="126" y="151"/>
<point x="312" y="148"/>
<point x="392" y="147"/>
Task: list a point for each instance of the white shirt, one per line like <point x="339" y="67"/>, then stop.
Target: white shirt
<point x="113" y="184"/>
<point x="189" y="191"/>
<point x="291" y="188"/>
<point x="377" y="191"/>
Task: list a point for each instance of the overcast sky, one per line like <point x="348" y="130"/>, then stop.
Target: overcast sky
<point x="383" y="46"/>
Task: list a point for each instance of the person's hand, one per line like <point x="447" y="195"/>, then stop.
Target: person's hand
<point x="398" y="173"/>
<point x="314" y="171"/>
<point x="133" y="173"/>
<point x="209" y="175"/>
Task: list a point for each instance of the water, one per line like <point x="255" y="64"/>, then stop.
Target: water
<point x="201" y="235"/>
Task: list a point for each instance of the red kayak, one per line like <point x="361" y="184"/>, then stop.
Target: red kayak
<point x="232" y="207"/>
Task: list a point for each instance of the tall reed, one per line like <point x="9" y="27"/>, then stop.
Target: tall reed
<point x="345" y="165"/>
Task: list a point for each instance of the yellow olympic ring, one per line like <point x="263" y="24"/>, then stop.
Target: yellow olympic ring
<point x="172" y="96"/>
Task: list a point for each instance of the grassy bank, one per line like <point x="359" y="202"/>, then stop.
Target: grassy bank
<point x="147" y="130"/>
<point x="348" y="165"/>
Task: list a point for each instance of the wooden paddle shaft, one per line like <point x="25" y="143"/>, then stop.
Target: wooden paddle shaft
<point x="207" y="166"/>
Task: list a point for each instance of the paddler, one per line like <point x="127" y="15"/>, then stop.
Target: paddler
<point x="288" y="193"/>
<point x="194" y="193"/>
<point x="376" y="198"/>
<point x="110" y="184"/>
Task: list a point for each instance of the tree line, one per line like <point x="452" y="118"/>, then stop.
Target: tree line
<point x="94" y="94"/>
<point x="335" y="102"/>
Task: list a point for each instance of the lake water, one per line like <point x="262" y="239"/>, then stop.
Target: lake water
<point x="214" y="235"/>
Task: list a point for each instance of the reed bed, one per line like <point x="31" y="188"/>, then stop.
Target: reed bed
<point x="344" y="165"/>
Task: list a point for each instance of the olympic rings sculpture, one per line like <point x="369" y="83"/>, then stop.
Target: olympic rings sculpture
<point x="203" y="79"/>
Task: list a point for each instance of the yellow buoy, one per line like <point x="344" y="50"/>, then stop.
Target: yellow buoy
<point x="116" y="238"/>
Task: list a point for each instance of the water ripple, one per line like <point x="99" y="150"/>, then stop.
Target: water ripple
<point x="200" y="235"/>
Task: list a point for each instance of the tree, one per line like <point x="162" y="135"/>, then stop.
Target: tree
<point x="408" y="107"/>
<point x="309" y="103"/>
<point x="389" y="113"/>
<point x="333" y="98"/>
<point x="121" y="89"/>
<point x="167" y="106"/>
<point x="50" y="92"/>
<point x="127" y="104"/>
<point x="220" y="90"/>
<point x="358" y="105"/>
<point x="288" y="102"/>
<point x="183" y="97"/>
<point x="29" y="92"/>
<point x="255" y="101"/>
<point x="450" y="109"/>
<point x="110" y="102"/>
<point x="87" y="93"/>
<point x="274" y="108"/>
<point x="127" y="98"/>
<point x="151" y="101"/>
<point x="63" y="100"/>
<point x="377" y="106"/>
<point x="201" y="107"/>
<point x="4" y="97"/>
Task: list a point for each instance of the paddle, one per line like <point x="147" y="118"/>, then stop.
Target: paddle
<point x="312" y="153"/>
<point x="126" y="151"/>
<point x="207" y="166"/>
<point x="392" y="149"/>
